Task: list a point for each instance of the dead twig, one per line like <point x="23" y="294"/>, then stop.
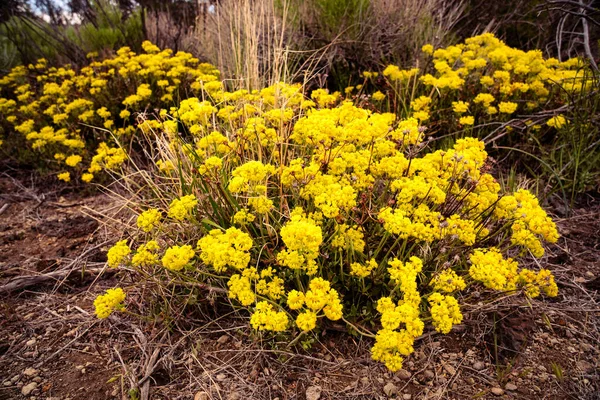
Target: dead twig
<point x="22" y="282"/>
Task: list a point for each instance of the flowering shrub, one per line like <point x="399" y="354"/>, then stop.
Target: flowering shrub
<point x="309" y="214"/>
<point x="78" y="118"/>
<point x="478" y="82"/>
<point x="306" y="210"/>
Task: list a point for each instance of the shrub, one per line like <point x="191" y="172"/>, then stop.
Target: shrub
<point x="64" y="114"/>
<point x="310" y="214"/>
<point x="483" y="79"/>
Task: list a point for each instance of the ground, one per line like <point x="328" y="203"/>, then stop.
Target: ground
<point x="52" y="346"/>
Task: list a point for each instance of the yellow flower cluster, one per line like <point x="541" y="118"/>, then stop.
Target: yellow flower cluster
<point x="226" y="249"/>
<point x="177" y="257"/>
<point x="106" y="303"/>
<point x="489" y="267"/>
<point x="48" y="104"/>
<point x="475" y="74"/>
<point x="145" y="255"/>
<point x="363" y="270"/>
<point x="149" y="219"/>
<point x="267" y="319"/>
<point x="445" y="312"/>
<point x="320" y="297"/>
<point x="182" y="207"/>
<point x="117" y="254"/>
<point x="557" y="122"/>
<point x="302" y="237"/>
<point x="531" y="224"/>
<point x="448" y="281"/>
<point x="313" y="209"/>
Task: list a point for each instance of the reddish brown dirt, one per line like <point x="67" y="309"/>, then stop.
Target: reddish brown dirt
<point x="49" y="336"/>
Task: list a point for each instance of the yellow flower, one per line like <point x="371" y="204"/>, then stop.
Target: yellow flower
<point x="445" y="312"/>
<point x="106" y="303"/>
<point x="460" y="107"/>
<point x="265" y="318"/>
<point x="181" y="208"/>
<point x="448" y="281"/>
<point x="466" y="120"/>
<point x="177" y="257"/>
<point x="73" y="160"/>
<point x="117" y="253"/>
<point x="149" y="219"/>
<point x="557" y="122"/>
<point x="243" y="217"/>
<point x="307" y="321"/>
<point x="378" y="96"/>
<point x="427" y="49"/>
<point x="222" y="249"/>
<point x="146" y="254"/>
<point x="64" y="176"/>
<point x="507" y="107"/>
<point x="295" y="300"/>
<point x="363" y="270"/>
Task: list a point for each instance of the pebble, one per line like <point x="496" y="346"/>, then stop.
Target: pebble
<point x="407" y="396"/>
<point x="478" y="366"/>
<point x="390" y="389"/>
<point x="223" y="339"/>
<point x="428" y="374"/>
<point x="221" y="377"/>
<point x="30" y="343"/>
<point x="313" y="393"/>
<point x="511" y="386"/>
<point x="449" y="368"/>
<point x="234" y="396"/>
<point x="26" y="390"/>
<point x="30" y="372"/>
<point x="497" y="391"/>
<point x="403" y="374"/>
<point x="7" y="383"/>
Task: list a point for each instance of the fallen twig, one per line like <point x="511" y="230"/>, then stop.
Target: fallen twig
<point x="22" y="282"/>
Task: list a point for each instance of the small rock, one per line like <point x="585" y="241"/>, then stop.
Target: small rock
<point x="26" y="390"/>
<point x="223" y="339"/>
<point x="37" y="379"/>
<point x="15" y="378"/>
<point x="221" y="377"/>
<point x="478" y="366"/>
<point x="584" y="366"/>
<point x="511" y="386"/>
<point x="497" y="391"/>
<point x="390" y="389"/>
<point x="313" y="393"/>
<point x="449" y="368"/>
<point x="234" y="396"/>
<point x="589" y="274"/>
<point x="428" y="374"/>
<point x="403" y="374"/>
<point x="365" y="380"/>
<point x="406" y="396"/>
<point x="31" y="372"/>
<point x="7" y="383"/>
<point x="30" y="343"/>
